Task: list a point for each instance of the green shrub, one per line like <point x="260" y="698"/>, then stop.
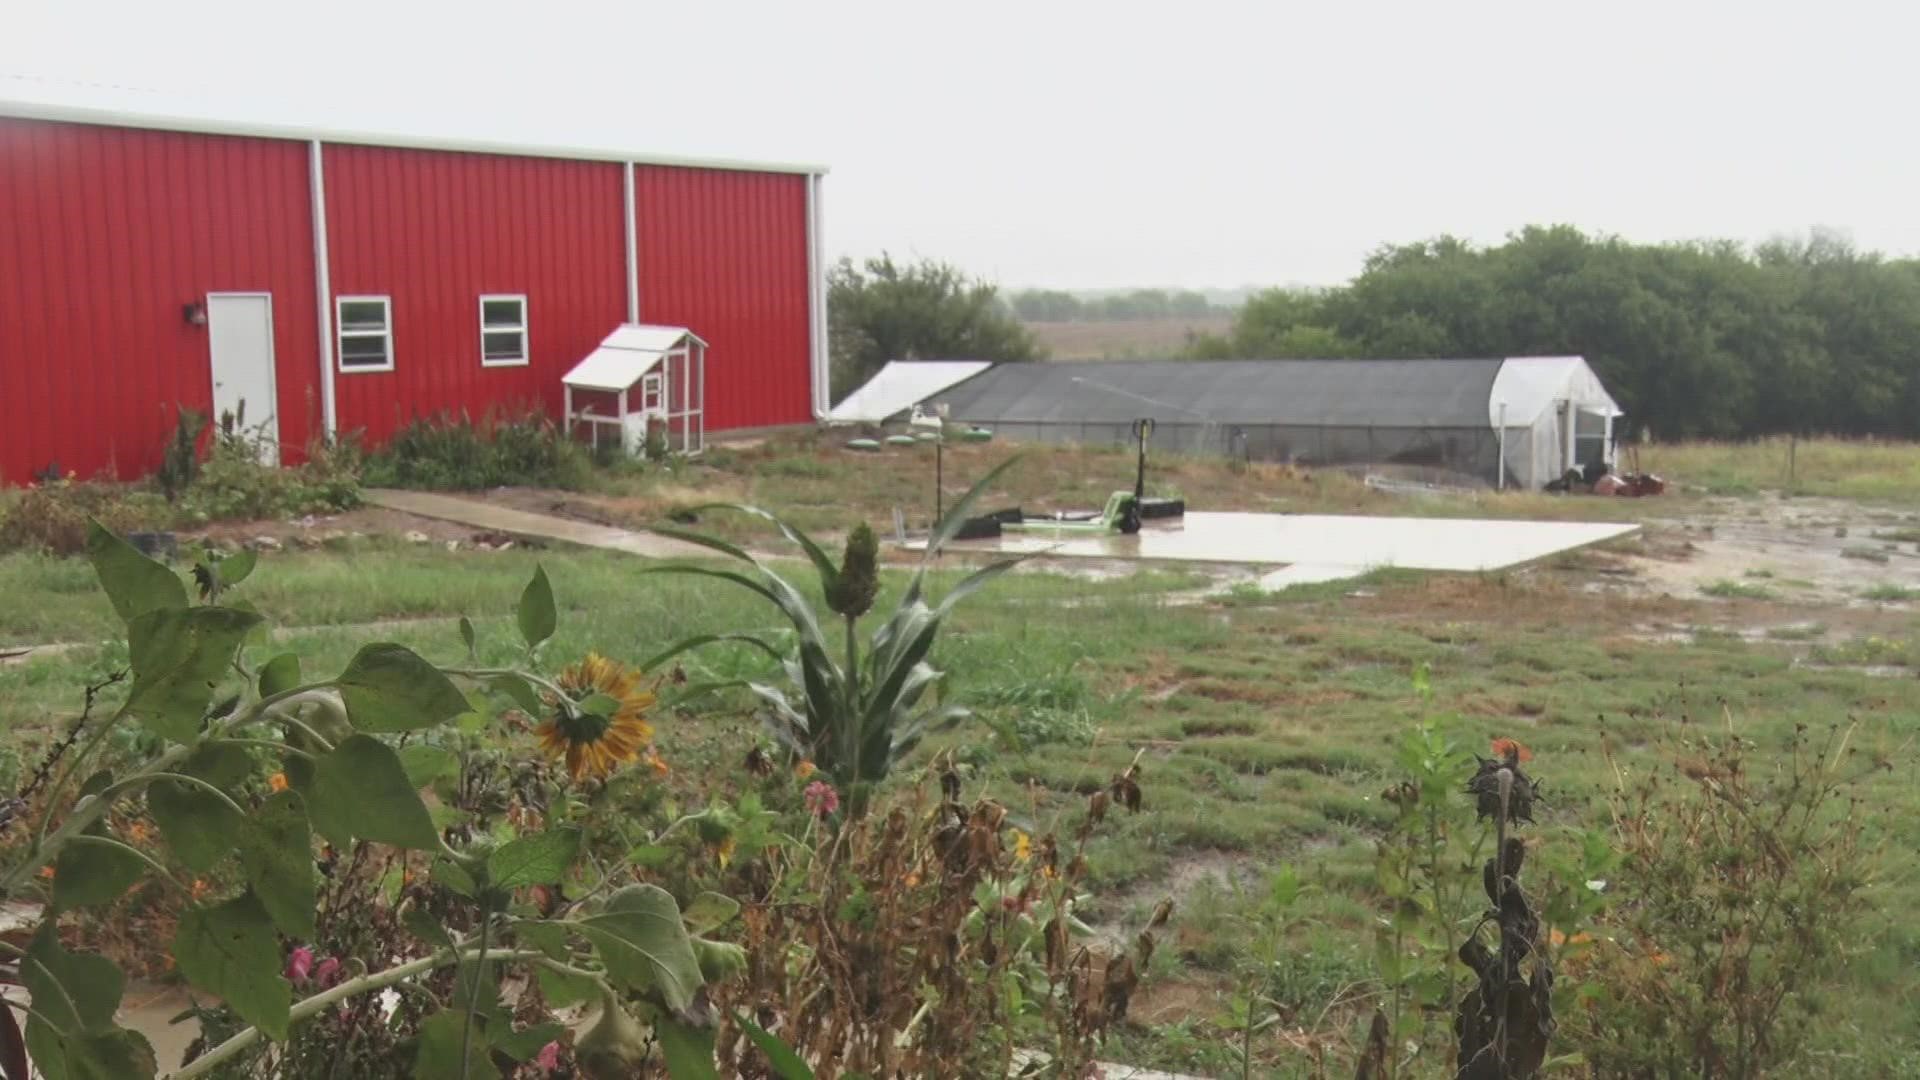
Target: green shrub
<point x="445" y="453"/>
<point x="1736" y="590"/>
<point x="235" y="484"/>
<point x="53" y="517"/>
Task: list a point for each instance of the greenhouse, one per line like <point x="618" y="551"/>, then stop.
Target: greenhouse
<point x="1456" y="419"/>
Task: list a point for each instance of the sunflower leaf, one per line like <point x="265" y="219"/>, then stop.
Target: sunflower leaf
<point x="536" y="613"/>
<point x="538" y="859"/>
<point x="388" y="687"/>
<point x="360" y="791"/>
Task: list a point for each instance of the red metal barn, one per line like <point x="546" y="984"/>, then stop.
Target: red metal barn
<point x="349" y="283"/>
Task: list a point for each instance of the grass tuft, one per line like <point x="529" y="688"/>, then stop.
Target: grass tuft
<point x="1737" y="590"/>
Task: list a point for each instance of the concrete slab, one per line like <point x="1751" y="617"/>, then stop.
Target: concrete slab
<point x="478" y="514"/>
<point x="1317" y="547"/>
<point x="1306" y="574"/>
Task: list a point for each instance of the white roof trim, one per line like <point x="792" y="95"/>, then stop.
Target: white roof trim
<point x="83" y="114"/>
<point x="901" y="385"/>
<point x="627" y="354"/>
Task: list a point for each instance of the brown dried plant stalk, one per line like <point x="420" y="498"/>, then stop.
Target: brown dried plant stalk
<point x="932" y="938"/>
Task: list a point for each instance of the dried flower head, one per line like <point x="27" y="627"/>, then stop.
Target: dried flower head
<point x="1486" y="786"/>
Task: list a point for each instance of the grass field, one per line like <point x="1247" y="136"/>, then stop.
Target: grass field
<point x="1132" y="339"/>
<point x="1269" y="722"/>
<point x="1866" y="469"/>
<point x="818" y="484"/>
<point x="1269" y="725"/>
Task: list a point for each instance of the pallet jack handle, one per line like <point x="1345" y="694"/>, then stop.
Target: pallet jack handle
<point x="1142" y="434"/>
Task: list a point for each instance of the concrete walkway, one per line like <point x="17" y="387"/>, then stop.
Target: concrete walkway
<point x="484" y="515"/>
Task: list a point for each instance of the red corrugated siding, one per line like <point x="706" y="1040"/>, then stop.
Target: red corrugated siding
<point x="725" y="254"/>
<point x="105" y="233"/>
<point x="435" y="230"/>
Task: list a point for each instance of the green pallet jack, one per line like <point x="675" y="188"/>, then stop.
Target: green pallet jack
<point x="1124" y="512"/>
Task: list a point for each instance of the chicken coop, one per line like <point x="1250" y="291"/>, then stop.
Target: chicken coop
<point x="643" y="386"/>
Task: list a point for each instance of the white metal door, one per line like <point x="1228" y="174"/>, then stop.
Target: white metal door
<point x="240" y="341"/>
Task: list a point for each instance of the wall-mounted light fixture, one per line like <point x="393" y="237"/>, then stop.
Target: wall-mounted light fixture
<point x="195" y="314"/>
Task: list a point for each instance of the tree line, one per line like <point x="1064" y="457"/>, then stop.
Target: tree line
<point x="1712" y="338"/>
<point x="880" y="309"/>
<point x="1058" y="305"/>
<point x="1696" y="339"/>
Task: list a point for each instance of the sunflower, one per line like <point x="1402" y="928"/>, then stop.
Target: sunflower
<point x="596" y="745"/>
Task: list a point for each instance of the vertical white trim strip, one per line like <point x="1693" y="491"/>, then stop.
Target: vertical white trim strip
<point x="633" y="250"/>
<point x="322" y="285"/>
<point x="817" y="304"/>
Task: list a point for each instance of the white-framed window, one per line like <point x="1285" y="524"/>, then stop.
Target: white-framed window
<point x="503" y="330"/>
<point x="650" y="392"/>
<point x="363" y="329"/>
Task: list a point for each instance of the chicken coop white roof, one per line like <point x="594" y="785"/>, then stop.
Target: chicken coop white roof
<point x="627" y="354"/>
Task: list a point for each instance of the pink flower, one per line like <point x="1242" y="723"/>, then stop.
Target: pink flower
<point x="327" y="972"/>
<point x="549" y="1057"/>
<point x="298" y="965"/>
<point x="821" y="799"/>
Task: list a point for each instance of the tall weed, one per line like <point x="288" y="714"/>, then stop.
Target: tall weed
<point x="1742" y="884"/>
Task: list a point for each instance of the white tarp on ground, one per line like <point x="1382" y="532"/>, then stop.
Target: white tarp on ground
<point x="1322" y="542"/>
<point x="899" y="386"/>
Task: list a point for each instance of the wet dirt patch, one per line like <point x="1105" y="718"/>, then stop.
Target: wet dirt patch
<point x="321" y="530"/>
<point x="1118" y="915"/>
<point x="1806" y="550"/>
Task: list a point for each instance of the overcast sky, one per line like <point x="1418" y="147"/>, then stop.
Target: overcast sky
<point x="1115" y="143"/>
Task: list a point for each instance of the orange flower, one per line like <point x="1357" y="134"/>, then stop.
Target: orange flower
<point x="46" y="873"/>
<point x="1505" y="748"/>
<point x="278" y="781"/>
<point x="594" y="746"/>
<point x="657" y="764"/>
<point x="804" y="769"/>
<point x="139" y="832"/>
<point x="200" y="888"/>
